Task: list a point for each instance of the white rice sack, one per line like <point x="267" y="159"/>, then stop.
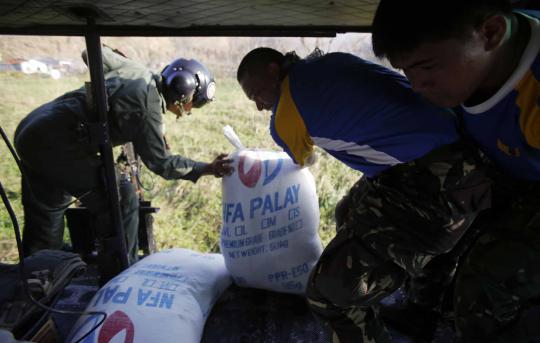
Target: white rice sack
<point x="269" y="236"/>
<point x="166" y="297"/>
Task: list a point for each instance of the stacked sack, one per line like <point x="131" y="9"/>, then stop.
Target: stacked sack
<point x="165" y="297"/>
<point x="269" y="237"/>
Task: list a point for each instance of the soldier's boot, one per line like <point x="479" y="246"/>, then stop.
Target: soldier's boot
<point x="419" y="312"/>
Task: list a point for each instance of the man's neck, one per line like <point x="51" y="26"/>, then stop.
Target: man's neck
<point x="515" y="48"/>
<point x="507" y="61"/>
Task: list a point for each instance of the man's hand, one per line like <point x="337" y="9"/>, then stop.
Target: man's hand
<point x="219" y="167"/>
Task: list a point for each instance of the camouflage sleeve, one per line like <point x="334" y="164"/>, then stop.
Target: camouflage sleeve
<point x="150" y="145"/>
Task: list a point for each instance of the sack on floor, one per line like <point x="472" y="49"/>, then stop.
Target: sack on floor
<point x="166" y="297"/>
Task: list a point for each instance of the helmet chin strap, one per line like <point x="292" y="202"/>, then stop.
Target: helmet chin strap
<point x="181" y="111"/>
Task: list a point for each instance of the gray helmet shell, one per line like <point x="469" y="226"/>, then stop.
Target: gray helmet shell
<point x="184" y="77"/>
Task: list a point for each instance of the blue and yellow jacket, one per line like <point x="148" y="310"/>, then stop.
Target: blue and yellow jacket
<point x="361" y="113"/>
<point x="507" y="126"/>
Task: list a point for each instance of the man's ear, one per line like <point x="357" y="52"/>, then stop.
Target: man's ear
<point x="494" y="30"/>
<point x="273" y="69"/>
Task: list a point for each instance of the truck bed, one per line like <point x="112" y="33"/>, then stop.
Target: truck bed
<point x="241" y="315"/>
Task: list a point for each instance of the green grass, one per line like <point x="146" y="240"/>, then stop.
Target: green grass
<point x="190" y="214"/>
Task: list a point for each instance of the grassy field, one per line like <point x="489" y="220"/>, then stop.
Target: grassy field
<point x="190" y="214"/>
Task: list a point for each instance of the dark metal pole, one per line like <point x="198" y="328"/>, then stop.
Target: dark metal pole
<point x="112" y="253"/>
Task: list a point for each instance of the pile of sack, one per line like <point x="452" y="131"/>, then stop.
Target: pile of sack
<point x="269" y="240"/>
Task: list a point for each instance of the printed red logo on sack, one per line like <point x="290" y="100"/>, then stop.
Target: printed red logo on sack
<point x="110" y="329"/>
<point x="249" y="178"/>
<point x="114" y="325"/>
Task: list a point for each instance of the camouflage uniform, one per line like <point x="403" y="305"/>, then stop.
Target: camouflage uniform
<point x="394" y="225"/>
<point x="497" y="293"/>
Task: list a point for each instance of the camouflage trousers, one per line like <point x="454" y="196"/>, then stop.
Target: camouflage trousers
<point x="393" y="226"/>
<point x="497" y="293"/>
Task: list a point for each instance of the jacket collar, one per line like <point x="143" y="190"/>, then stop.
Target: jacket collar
<point x="159" y="84"/>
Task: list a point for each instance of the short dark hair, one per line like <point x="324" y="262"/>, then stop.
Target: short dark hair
<point x="401" y="26"/>
<point x="257" y="59"/>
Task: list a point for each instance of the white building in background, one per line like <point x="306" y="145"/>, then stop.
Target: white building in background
<point x="54" y="68"/>
<point x="34" y="66"/>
